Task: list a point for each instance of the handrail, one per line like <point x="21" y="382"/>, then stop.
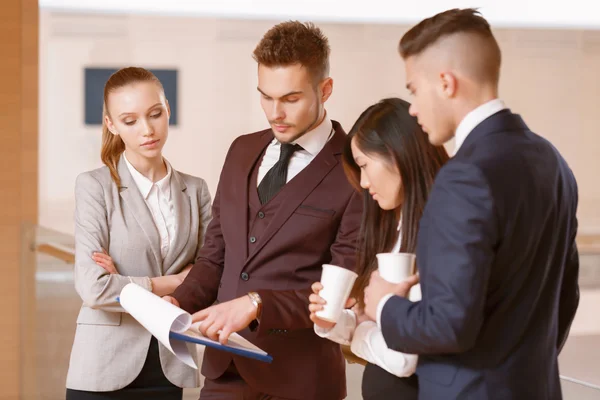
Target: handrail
<point x="351" y="357"/>
<point x="57" y="251"/>
<point x="586" y="244"/>
<point x="579" y="382"/>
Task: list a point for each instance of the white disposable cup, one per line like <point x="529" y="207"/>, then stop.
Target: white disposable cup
<point x="337" y="284"/>
<point x="395" y="267"/>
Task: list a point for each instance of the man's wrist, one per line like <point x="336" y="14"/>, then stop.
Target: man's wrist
<point x="256" y="302"/>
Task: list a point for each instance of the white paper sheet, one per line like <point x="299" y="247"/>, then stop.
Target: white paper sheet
<point x="159" y="317"/>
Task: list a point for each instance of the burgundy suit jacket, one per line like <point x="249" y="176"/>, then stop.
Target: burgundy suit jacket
<point x="316" y="222"/>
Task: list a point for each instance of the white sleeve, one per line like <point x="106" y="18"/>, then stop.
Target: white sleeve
<point x="368" y="343"/>
<point x="342" y="331"/>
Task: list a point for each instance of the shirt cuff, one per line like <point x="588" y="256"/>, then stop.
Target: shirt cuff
<point x="380" y="308"/>
<point x="341" y="332"/>
<point x="322" y="332"/>
<point x="143" y="281"/>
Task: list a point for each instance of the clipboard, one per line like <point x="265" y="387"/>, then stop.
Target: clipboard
<point x="173" y="327"/>
<point x="235" y="345"/>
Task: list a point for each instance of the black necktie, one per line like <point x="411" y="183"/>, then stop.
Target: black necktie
<point x="276" y="178"/>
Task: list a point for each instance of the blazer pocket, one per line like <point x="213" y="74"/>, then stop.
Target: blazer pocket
<point x="89" y="316"/>
<point x="315" y="212"/>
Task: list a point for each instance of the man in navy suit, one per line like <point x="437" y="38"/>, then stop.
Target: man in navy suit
<point x="496" y="250"/>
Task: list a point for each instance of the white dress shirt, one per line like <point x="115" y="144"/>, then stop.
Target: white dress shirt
<point x="366" y="340"/>
<point x="466" y="126"/>
<point x="474" y="118"/>
<point x="159" y="200"/>
<point x="312" y="143"/>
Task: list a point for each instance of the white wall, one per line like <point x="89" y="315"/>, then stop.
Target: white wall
<point x="576" y="14"/>
<point x="550" y="77"/>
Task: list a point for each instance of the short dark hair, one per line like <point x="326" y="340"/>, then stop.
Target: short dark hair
<point x="430" y="30"/>
<point x="294" y="42"/>
<point x="456" y="21"/>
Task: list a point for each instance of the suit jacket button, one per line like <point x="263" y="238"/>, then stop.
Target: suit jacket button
<point x="261" y="215"/>
<point x="245" y="276"/>
<point x="252" y="239"/>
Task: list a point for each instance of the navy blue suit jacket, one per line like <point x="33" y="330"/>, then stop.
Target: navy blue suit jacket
<point x="498" y="266"/>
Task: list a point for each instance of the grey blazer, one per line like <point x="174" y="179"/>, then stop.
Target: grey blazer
<point x="110" y="346"/>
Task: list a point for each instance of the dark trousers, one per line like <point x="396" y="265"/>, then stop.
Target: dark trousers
<point x="150" y="384"/>
<point x="378" y="384"/>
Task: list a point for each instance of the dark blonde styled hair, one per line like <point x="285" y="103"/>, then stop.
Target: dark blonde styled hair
<point x="293" y="42"/>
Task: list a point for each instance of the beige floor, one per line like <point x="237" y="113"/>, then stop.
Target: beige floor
<point x="58" y="304"/>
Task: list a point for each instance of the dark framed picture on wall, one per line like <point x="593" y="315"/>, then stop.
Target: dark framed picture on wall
<point x="95" y="78"/>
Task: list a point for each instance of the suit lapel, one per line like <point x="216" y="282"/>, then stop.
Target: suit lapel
<point x="135" y="203"/>
<point x="183" y="214"/>
<point x="302" y="185"/>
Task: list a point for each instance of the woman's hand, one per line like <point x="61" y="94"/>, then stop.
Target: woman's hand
<point x="165" y="285"/>
<point x="183" y="273"/>
<point x="360" y="315"/>
<point x="317" y="303"/>
<point x="171" y="300"/>
<point x="105" y="261"/>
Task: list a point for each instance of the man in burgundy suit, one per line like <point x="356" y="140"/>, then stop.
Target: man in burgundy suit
<point x="283" y="207"/>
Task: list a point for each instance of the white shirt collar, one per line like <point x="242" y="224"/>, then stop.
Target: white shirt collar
<point x="145" y="185"/>
<point x="474" y="118"/>
<point x="314" y="140"/>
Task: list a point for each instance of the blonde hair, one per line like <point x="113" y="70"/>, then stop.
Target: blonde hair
<point x="112" y="145"/>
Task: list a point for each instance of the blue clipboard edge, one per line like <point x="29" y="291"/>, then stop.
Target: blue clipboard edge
<point x="248" y="354"/>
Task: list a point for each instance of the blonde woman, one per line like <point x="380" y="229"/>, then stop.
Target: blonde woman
<point x="137" y="220"/>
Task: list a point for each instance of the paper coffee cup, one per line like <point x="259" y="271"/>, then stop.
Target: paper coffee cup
<point x="337" y="284"/>
<point x="395" y="267"/>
